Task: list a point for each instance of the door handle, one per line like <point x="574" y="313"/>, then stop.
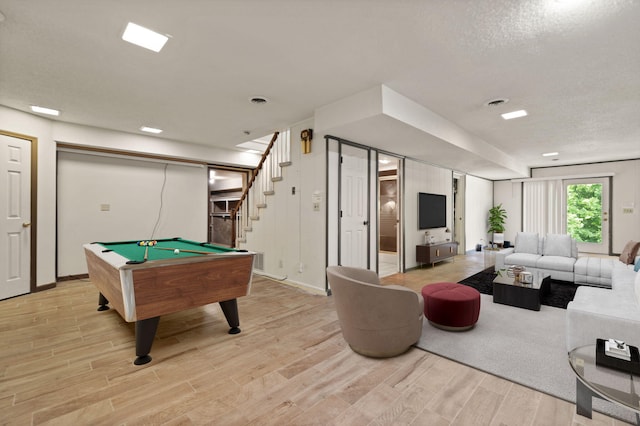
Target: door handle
<point x="26" y="224"/>
<point x="366" y="222"/>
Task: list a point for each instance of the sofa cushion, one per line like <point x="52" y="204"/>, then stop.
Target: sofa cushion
<point x="527" y="242"/>
<point x="556" y="263"/>
<point x="594" y="271"/>
<point x="557" y="245"/>
<point x="623" y="281"/>
<point x="527" y="260"/>
<point x="629" y="253"/>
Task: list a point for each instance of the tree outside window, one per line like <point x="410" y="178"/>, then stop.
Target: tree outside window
<point x="584" y="212"/>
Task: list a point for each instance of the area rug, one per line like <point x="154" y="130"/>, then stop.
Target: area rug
<point x="559" y="296"/>
<point x="520" y="345"/>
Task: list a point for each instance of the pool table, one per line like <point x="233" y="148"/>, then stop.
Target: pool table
<point x="144" y="282"/>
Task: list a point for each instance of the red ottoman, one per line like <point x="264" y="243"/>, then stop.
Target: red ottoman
<point x="451" y="306"/>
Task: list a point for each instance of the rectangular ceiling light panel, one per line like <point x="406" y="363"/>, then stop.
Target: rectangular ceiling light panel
<point x="514" y="114"/>
<point x="150" y="129"/>
<point x="144" y="37"/>
<point x="42" y="110"/>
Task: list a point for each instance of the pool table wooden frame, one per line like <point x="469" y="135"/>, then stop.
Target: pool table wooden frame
<point x="142" y="292"/>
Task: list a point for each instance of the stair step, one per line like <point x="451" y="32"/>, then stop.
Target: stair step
<point x="248" y="229"/>
<point x="276" y="179"/>
<point x="241" y="240"/>
<point x="261" y="205"/>
<point x="254" y="217"/>
<point x="269" y="192"/>
<point x="285" y="164"/>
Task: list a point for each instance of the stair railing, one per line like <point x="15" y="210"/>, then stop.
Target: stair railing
<point x="240" y="213"/>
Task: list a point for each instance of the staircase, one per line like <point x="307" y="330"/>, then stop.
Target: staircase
<point x="261" y="185"/>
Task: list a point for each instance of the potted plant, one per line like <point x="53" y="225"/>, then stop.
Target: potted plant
<point x="497" y="217"/>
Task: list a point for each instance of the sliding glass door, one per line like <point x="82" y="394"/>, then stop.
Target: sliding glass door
<point x="587" y="213"/>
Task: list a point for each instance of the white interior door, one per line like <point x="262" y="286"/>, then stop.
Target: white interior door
<point x="587" y="213"/>
<point x="15" y="249"/>
<point x="354" y="215"/>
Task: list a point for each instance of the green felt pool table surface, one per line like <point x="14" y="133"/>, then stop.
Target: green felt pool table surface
<point x="132" y="251"/>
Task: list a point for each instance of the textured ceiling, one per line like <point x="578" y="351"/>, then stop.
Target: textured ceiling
<point x="573" y="65"/>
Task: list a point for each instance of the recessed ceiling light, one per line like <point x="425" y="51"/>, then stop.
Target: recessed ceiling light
<point x="514" y="114"/>
<point x="549" y="154"/>
<point x="43" y="110"/>
<point x="150" y="129"/>
<point x="144" y="37"/>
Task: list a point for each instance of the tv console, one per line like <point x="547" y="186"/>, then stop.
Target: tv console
<point x="435" y="252"/>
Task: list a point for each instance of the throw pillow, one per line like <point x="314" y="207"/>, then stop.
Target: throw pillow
<point x="557" y="245"/>
<point x="629" y="253"/>
<point x="526" y="242"/>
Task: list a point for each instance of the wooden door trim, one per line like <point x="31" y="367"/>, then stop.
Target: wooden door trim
<point x="33" y="206"/>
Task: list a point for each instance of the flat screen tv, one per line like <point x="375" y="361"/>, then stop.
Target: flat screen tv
<point x="432" y="211"/>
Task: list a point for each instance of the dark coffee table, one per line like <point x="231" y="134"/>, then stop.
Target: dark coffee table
<point x="508" y="291"/>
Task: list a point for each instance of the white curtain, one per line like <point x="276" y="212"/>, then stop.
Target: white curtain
<point x="543" y="207"/>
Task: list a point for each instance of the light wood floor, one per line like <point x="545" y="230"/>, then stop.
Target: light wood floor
<point x="62" y="362"/>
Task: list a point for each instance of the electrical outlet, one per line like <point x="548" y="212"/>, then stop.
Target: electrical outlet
<point x="627" y="210"/>
<point x="105" y="207"/>
<point x="280" y="264"/>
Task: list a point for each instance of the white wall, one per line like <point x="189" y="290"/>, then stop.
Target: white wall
<point x="509" y="194"/>
<point x="421" y="177"/>
<point x="143" y="144"/>
<point x="138" y="197"/>
<point x="478" y="201"/>
<point x="625" y="191"/>
<point x="290" y="232"/>
<point x="49" y="132"/>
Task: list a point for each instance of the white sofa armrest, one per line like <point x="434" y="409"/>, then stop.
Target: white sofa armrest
<point x="500" y="255"/>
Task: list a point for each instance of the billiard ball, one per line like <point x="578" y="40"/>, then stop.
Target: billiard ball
<point x="176" y="251"/>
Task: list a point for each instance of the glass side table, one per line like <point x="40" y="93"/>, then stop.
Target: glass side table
<point x="612" y="385"/>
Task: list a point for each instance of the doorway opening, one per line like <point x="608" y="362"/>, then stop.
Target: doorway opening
<point x="389" y="202"/>
<point x="586" y="212"/>
<point x="458" y="211"/>
<point x="225" y="189"/>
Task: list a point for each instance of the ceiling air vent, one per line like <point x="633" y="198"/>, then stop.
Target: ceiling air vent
<point x="258" y="100"/>
<point x="496" y="102"/>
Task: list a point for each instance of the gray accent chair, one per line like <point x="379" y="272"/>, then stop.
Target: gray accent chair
<point x="377" y="321"/>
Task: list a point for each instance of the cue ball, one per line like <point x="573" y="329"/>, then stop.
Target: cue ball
<point x="176" y="251"/>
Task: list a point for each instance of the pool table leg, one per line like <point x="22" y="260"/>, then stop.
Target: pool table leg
<point x="103" y="302"/>
<point x="230" y="311"/>
<point x="145" y="333"/>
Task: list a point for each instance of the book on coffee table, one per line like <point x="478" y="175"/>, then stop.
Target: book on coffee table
<point x="617" y="349"/>
<point x="631" y="366"/>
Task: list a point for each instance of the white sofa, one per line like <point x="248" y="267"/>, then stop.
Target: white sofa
<point x="555" y="254"/>
<point x="598" y="313"/>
